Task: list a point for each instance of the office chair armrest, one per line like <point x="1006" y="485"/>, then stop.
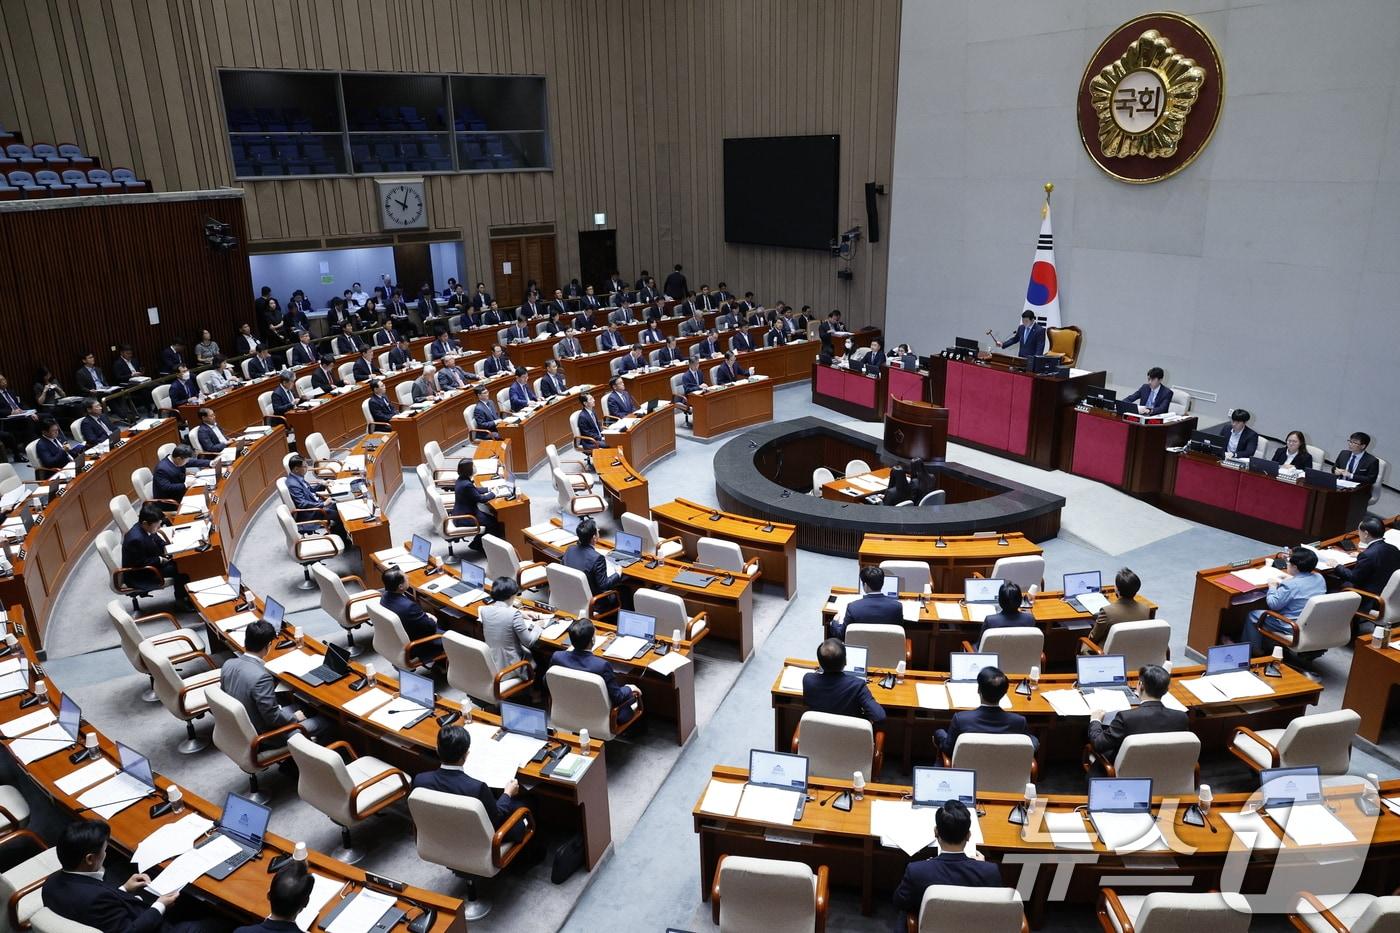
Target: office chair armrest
<point x="753" y="569"/>
<point x="879" y="759"/>
<point x="597" y="616"/>
<point x="1379" y="600"/>
<point x="12" y="908"/>
<point x="421" y="662"/>
<point x="638" y="705"/>
<point x="342" y="746"/>
<point x="17" y="834"/>
<point x="387" y="801"/>
<point x="1108" y="901"/>
<point x="481" y="433"/>
<point x="1254" y="736"/>
<point x="528" y="565"/>
<point x="701" y="618"/>
<point x="158" y="617"/>
<point x="499" y="838"/>
<point x="14" y="820"/>
<point x="270" y="420"/>
<point x="714" y="892"/>
<point x="1089" y="646"/>
<point x="318" y="510"/>
<point x="1278" y="636"/>
<point x="504" y="674"/>
<point x="455" y="516"/>
<point x="118" y="575"/>
<point x="1323" y="911"/>
<point x="308" y="539"/>
<point x="197" y="682"/>
<point x="823" y="883"/>
<point x="379" y="426"/>
<point x="271" y="734"/>
<point x="796" y="737"/>
<point x="1089" y="757"/>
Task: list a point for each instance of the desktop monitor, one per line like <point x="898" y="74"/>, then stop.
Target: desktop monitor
<point x="421" y="548"/>
<point x="417" y="688"/>
<point x="1120" y="795"/>
<point x="628" y="544"/>
<point x="1288" y="787"/>
<point x="245" y="819"/>
<point x="70" y="717"/>
<point x="966" y="343"/>
<point x="525" y="720"/>
<point x="1045" y="365"/>
<point x="977" y="590"/>
<point x="635" y="624"/>
<point x="1107" y="670"/>
<point x="1208" y="442"/>
<point x="856" y="657"/>
<point x="1098" y="395"/>
<point x="778" y="769"/>
<point x="273" y="612"/>
<point x="1223" y="659"/>
<point x="135" y="764"/>
<point x="964" y="666"/>
<point x="934" y="787"/>
<point x="1077" y="584"/>
<point x="472" y="575"/>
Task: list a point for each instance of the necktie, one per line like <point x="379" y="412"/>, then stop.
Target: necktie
<point x="1351" y="467"/>
<point x="1152" y="398"/>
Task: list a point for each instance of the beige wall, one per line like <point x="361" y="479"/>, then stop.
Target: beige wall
<point x="641" y="93"/>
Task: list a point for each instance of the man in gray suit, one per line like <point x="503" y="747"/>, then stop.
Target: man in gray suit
<point x="425" y="386"/>
<point x="247" y="679"/>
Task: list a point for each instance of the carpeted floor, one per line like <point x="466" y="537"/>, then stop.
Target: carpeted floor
<point x="654" y="784"/>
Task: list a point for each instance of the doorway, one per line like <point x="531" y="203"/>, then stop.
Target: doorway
<point x="597" y="253"/>
<point x="413" y="266"/>
<point x="515" y="260"/>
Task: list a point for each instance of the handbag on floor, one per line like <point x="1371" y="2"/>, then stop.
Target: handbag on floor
<point x="568" y="858"/>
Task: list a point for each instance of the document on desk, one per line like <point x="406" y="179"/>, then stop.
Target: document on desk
<point x="487" y="466"/>
<point x="13" y="683"/>
<point x="1238" y="684"/>
<point x="28" y="723"/>
<point x="114" y="795"/>
<point x="669" y="663"/>
<point x="948" y="612"/>
<point x="463" y="600"/>
<point x="1171" y="702"/>
<point x="978" y="612"/>
<point x="1205" y="690"/>
<point x="214" y="595"/>
<point x="41" y="744"/>
<point x="495" y="761"/>
<point x="367" y="702"/>
<point x="1067" y="831"/>
<point x="14" y="665"/>
<point x="295" y="663"/>
<point x="769" y="804"/>
<point x="1252" y="830"/>
<point x="170" y="840"/>
<point x="186" y="537"/>
<point x="86" y="776"/>
<point x="352" y="510"/>
<point x="191" y="865"/>
<point x="396" y="714"/>
<point x="963" y="694"/>
<point x="322" y="890"/>
<point x="911" y="608"/>
<point x="1311" y="824"/>
<point x="1392" y="804"/>
<point x="556" y="629"/>
<point x="398" y="557"/>
<point x="192" y="504"/>
<point x="1260" y="576"/>
<point x="1332" y="556"/>
<point x="1129" y="832"/>
<point x="1110" y="701"/>
<point x="362" y="913"/>
<point x="721" y="798"/>
<point x="899" y="826"/>
<point x="791" y="681"/>
<point x="355" y="463"/>
<point x="1092" y="602"/>
<point x="932" y="696"/>
<point x="1066" y="702"/>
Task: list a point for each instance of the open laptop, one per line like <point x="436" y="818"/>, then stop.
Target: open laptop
<point x="235" y="581"/>
<point x="856" y="657"/>
<point x="1290" y="787"/>
<point x="1121" y="810"/>
<point x="627" y="549"/>
<point x="781" y="771"/>
<point x="977" y="590"/>
<point x="421" y="549"/>
<point x="933" y="787"/>
<point x="1226" y="659"/>
<point x="70" y="717"/>
<point x="245" y="823"/>
<point x="418" y="690"/>
<point x="963" y="668"/>
<point x="336" y="666"/>
<point x="1104" y="672"/>
<point x="273" y="612"/>
<point x="524" y="720"/>
<point x="636" y="633"/>
<point x="135" y="773"/>
<point x="891" y="586"/>
<point x="1086" y="583"/>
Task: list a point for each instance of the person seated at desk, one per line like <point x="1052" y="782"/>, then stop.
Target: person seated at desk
<point x="287" y="896"/>
<point x="399" y="357"/>
<point x="568" y="347"/>
<point x="728" y="318"/>
<point x="874" y="361"/>
<point x="620" y="402"/>
<point x="830" y="329"/>
<point x="262" y="363"/>
<point x="1125" y="608"/>
<point x="125" y="367"/>
<point x="1152" y="398"/>
<point x="172" y="358"/>
<point x="622" y="697"/>
<point x="1355" y="463"/>
<point x="311" y="503"/>
<point x="552" y="383"/>
<point x="517" y="332"/>
<point x="302" y="353"/>
<point x="509" y="634"/>
<point x="469" y="506"/>
<point x="146" y="557"/>
<point x="1377" y="560"/>
<point x="47" y="390"/>
<point x="324" y="376"/>
<point x="453" y="744"/>
<point x="168" y="480"/>
<point x="245" y="677"/>
<point x="337" y="314"/>
<point x="988" y="718"/>
<point x="521" y="394"/>
<point x="685" y="306"/>
<point x="1011" y="616"/>
<point x="741" y="342"/>
<point x="346" y="342"/>
<point x="294" y="320"/>
<point x="832" y="690"/>
<point x="623" y="313"/>
<point x="399" y="316"/>
<point x="588" y="306"/>
<point x="670" y="353"/>
<point x="284" y="397"/>
<point x="777" y="334"/>
<point x="952" y="826"/>
<point x="1240" y="440"/>
<point x="1294" y="452"/>
<point x="498" y="362"/>
<point x="363" y="370"/>
<point x="590" y="436"/>
<point x="386" y="336"/>
<point x="89" y="377"/>
<point x="1147" y="718"/>
<point x="610" y="339"/>
<point x="730" y="370"/>
<point x="211" y="437"/>
<point x="94" y="426"/>
<point x="381" y="408"/>
<point x="452" y="376"/>
<point x="651" y="334"/>
<point x="425" y="387"/>
<point x="221" y="374"/>
<point x="554" y="324"/>
<point x="1288" y="598"/>
<point x="873" y="607"/>
<point x="244" y="342"/>
<point x="695" y="324"/>
<point x="54" y="452"/>
<point x="443" y="344"/>
<point x="183" y="389"/>
<point x="633" y="360"/>
<point x="706" y="300"/>
<point x="416" y="623"/>
<point x="21" y="423"/>
<point x="1029" y="338"/>
<point x="485" y="416"/>
<point x="707" y="348"/>
<point x="583" y="557"/>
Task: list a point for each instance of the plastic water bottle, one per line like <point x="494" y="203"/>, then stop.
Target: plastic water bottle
<point x="1372" y="792"/>
<point x="1034" y="679"/>
<point x="175" y="796"/>
<point x="858" y="786"/>
<point x="369" y="674"/>
<point x="467" y="709"/>
<point x="583" y="742"/>
<point x="1379" y="636"/>
<point x="676" y="638"/>
<point x="1029" y="800"/>
<point x="899" y="673"/>
<point x="41" y="690"/>
<point x="299" y="852"/>
<point x="1204" y="796"/>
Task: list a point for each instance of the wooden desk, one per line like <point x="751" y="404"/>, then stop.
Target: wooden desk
<point x="722" y="409"/>
<point x="843" y="490"/>
<point x="514" y="514"/>
<point x="542" y="426"/>
<point x="959" y="557"/>
<point x="773" y="544"/>
<point x="650" y="437"/>
<point x="337" y="418"/>
<point x="442" y="421"/>
<point x="383" y="475"/>
<point x="1007" y="411"/>
<point x="728" y="605"/>
<point x="237" y="407"/>
<point x="909" y="728"/>
<point x="931" y="639"/>
<point x="1372" y="685"/>
<point x="243" y="894"/>
<point x="850" y="392"/>
<point x="1257" y="505"/>
<point x="72" y="522"/>
<point x="1129" y="453"/>
<point x="624" y="487"/>
<point x="843" y="842"/>
<point x="791" y="362"/>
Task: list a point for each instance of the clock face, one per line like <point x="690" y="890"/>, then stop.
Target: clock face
<point x="403" y="205"/>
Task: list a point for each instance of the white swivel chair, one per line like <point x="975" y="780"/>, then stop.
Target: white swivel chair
<point x="403" y="392"/>
<point x="130" y="582"/>
<point x="1386" y="609"/>
<point x="455" y="832"/>
<point x="183" y="697"/>
<point x="20" y="885"/>
<point x="75" y="429"/>
<point x="450" y="525"/>
<point x="346" y="372"/>
<point x="573" y="502"/>
<point x="1349" y="913"/>
<point x="958" y="907"/>
<point x="771" y="895"/>
<point x="502" y="561"/>
<point x="247" y="367"/>
<point x="1173" y="912"/>
<point x="391" y="641"/>
<point x="444" y="468"/>
<point x="472" y="670"/>
<point x="14" y="809"/>
<point x="45" y="920"/>
<point x="859" y="354"/>
<point x="160" y="397"/>
<point x="886" y="645"/>
<point x="571" y="594"/>
<point x="176" y="643"/>
<point x="348" y="793"/>
<point x="320" y="453"/>
<point x="726" y="555"/>
<point x="1180" y="403"/>
<point x="350" y="612"/>
<point x="1383" y="474"/>
<point x="649" y="530"/>
<point x="579" y="700"/>
<point x="123" y="513"/>
<point x="1018" y="648"/>
<point x="1026" y="571"/>
<point x="305" y="389"/>
<point x="671" y="614"/>
<point x="235" y="736"/>
<point x="838" y="746"/>
<point x="1004" y="763"/>
<point x="9" y="479"/>
<point x="1140" y="643"/>
<point x="143" y="484"/>
<point x="269" y="415"/>
<point x="1324" y="623"/>
<point x="1321" y="739"/>
<point x="574" y="470"/>
<point x="307" y="549"/>
<point x="1171" y="759"/>
<point x="473" y="432"/>
<point x="856" y="466"/>
<point x="31" y="453"/>
<point x="372" y="425"/>
<point x="913" y="575"/>
<point x="205" y="381"/>
<point x="820" y="477"/>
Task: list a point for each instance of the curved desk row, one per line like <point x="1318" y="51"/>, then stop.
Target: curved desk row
<point x="624" y="486"/>
<point x="774" y="545"/>
<point x="951" y="559"/>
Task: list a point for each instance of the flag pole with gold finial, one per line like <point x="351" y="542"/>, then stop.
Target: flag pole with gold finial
<point x="1045" y="208"/>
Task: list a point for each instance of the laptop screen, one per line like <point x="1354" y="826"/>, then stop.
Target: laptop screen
<point x="628" y="544"/>
<point x="891" y="586"/>
<point x="981" y="591"/>
<point x="1222" y="659"/>
<point x="273" y="612"/>
<point x="965" y="666"/>
<point x="524" y="719"/>
<point x="636" y="624"/>
<point x="1106" y="670"/>
<point x="1120" y="795"/>
<point x="472" y="575"/>
<point x="70" y="717"/>
<point x="417" y="688"/>
<point x="571" y="522"/>
<point x="1089" y="581"/>
<point x="856" y="656"/>
<point x="934" y="787"/>
<point x="421" y="548"/>
<point x="1287" y="787"/>
<point x="337" y="658"/>
<point x="244" y="819"/>
<point x="135" y="764"/>
<point x="777" y="769"/>
<point x="235" y="578"/>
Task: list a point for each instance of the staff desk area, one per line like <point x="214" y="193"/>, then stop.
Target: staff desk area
<point x="772" y="544"/>
<point x="951" y="559"/>
<point x="1128" y="452"/>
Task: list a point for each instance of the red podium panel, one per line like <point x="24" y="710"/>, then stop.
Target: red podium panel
<point x="1100" y="448"/>
<point x="1208" y="483"/>
<point x="1266" y="498"/>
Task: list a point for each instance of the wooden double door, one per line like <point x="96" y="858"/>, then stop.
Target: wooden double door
<point x="518" y="260"/>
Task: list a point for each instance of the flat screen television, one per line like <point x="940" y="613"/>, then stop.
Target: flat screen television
<point x="782" y="190"/>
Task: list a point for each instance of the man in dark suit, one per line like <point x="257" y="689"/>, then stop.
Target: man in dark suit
<point x="451" y="376"/>
<point x="261" y="364"/>
<point x="684" y="308"/>
<point x="399" y="316"/>
<point x="828" y="331"/>
<point x="485" y="416"/>
<point x="310" y="501"/>
<point x="1009" y="601"/>
<point x="381" y="408"/>
<point x="1148" y="717"/>
<point x="399" y="356"/>
<point x="211" y="437"/>
<point x="777" y="335"/>
<point x="832" y="690"/>
<point x="589" y="432"/>
<point x="623" y="314"/>
<point x="284" y="397"/>
<point x="346" y="342"/>
<point x="952" y="826"/>
<point x="52" y="449"/>
<point x="521" y="394"/>
<point x="619" y="401"/>
<point x="302" y="352"/>
<point x="1029" y="338"/>
<point x="469" y="503"/>
<point x="453" y="743"/>
<point x="584" y="558"/>
<point x="588" y="305"/>
<point x="1376" y="562"/>
<point x="706" y="348"/>
<point x="1240" y="439"/>
<point x="873" y="607"/>
<point x="287" y="896"/>
<point x="498" y="362"/>
<point x="706" y="301"/>
<point x="143" y="547"/>
<point x="171" y="357"/>
<point x="633" y="360"/>
<point x="741" y="342"/>
<point x="558" y="306"/>
<point x="730" y="370"/>
<point x="874" y="361"/>
<point x="363" y="370"/>
<point x="95" y="427"/>
<point x="671" y="353"/>
<point x="692" y="379"/>
<point x="244" y="343"/>
<point x="416" y="623"/>
<point x="443" y="344"/>
<point x="552" y="383"/>
<point x="623" y="697"/>
<point x="168" y="478"/>
<point x="989" y="718"/>
<point x="1152" y="397"/>
<point x="610" y="339"/>
<point x="245" y="677"/>
<point x="386" y="336"/>
<point x="324" y="376"/>
<point x="695" y="324"/>
<point x="183" y="388"/>
<point x="675" y="284"/>
<point x="482" y="299"/>
<point x="89" y="377"/>
<point x="1355" y="463"/>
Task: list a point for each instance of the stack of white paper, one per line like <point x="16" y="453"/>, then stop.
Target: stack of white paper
<point x="170" y="840"/>
<point x="396" y="714"/>
<point x="1311" y="825"/>
<point x="488" y="466"/>
<point x="192" y="504"/>
<point x="1067" y="831"/>
<point x="191" y="865"/>
<point x="1238" y="684"/>
<point x="398" y="557"/>
<point x="367" y="702"/>
<point x="1251" y="829"/>
<point x="1129" y="832"/>
<point x="911" y="609"/>
<point x="295" y="663"/>
<point x="1108" y="700"/>
<point x="113" y="795"/>
<point x="214" y="595"/>
<point x="41" y="743"/>
<point x="931" y="696"/>
<point x="1171" y="702"/>
<point x="352" y="510"/>
<point x="978" y="612"/>
<point x="468" y="598"/>
<point x="1092" y="602"/>
<point x="948" y="612"/>
<point x="86" y="776"/>
<point x="899" y="826"/>
<point x="722" y="798"/>
<point x="1066" y="702"/>
<point x="791" y="681"/>
<point x="28" y="723"/>
<point x="362" y="913"/>
<point x="556" y="629"/>
<point x="551" y="535"/>
<point x="1260" y="576"/>
<point x="769" y="804"/>
<point x="355" y="463"/>
<point x="322" y="890"/>
<point x="668" y="664"/>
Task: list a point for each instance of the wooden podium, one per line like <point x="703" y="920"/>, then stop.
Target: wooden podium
<point x="915" y="430"/>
